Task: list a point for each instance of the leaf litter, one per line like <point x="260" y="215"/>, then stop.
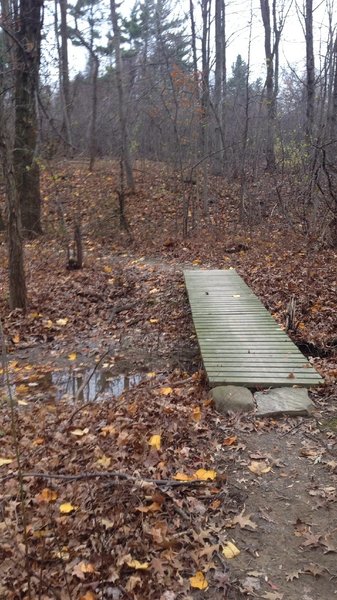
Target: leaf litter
<point x="108" y="526"/>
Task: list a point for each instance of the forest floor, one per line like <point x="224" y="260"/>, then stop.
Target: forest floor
<point x="138" y="489"/>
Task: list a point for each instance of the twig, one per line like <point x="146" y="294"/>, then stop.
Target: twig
<point x="107" y="474"/>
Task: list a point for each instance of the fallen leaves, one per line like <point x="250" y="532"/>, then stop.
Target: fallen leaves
<point x="200" y="475"/>
<point x="104" y="461"/>
<point x="230" y="550"/>
<point x="5" y="461"/>
<point x="67" y="508"/>
<point x="165" y="391"/>
<point x="259" y="467"/>
<point x="136" y="564"/>
<point x="199" y="581"/>
<point x="80" y="432"/>
<point x="244" y="521"/>
<point x="47" y="495"/>
<point x="155" y="441"/>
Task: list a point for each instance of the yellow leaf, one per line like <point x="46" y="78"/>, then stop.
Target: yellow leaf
<point x="165" y="391"/>
<point x="183" y="477"/>
<point x="107" y="429"/>
<point x="87" y="567"/>
<point x="199" y="581"/>
<point x="151" y="375"/>
<point x="47" y="495"/>
<point x="34" y="315"/>
<point x="22" y="388"/>
<point x="259" y="467"/>
<point x="155" y="441"/>
<point x="16" y="338"/>
<point x="230" y="550"/>
<point x="104" y="461"/>
<point x="49" y="324"/>
<point x="135" y="564"/>
<point x="63" y="553"/>
<point x="196" y="413"/>
<point x="80" y="432"/>
<point x="197" y="261"/>
<point x="153" y="321"/>
<point x="5" y="461"/>
<point x="72" y="356"/>
<point x="154" y="507"/>
<point x="204" y="475"/>
<point x="67" y="508"/>
<point x="107" y="269"/>
<point x="22" y="403"/>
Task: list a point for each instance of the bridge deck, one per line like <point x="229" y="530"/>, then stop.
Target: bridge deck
<point x="240" y="342"/>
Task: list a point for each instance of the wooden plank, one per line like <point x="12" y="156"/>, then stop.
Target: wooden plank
<point x="240" y="341"/>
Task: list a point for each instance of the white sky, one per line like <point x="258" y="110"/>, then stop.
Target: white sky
<point x="238" y="12"/>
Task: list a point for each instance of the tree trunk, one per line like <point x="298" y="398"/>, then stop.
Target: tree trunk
<point x="92" y="137"/>
<point x="64" y="68"/>
<point x="310" y="68"/>
<point x="219" y="84"/>
<point x="204" y="124"/>
<point x="125" y="151"/>
<point x="194" y="46"/>
<point x="26" y="167"/>
<point x="270" y="95"/>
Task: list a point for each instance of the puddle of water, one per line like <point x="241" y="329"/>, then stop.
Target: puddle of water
<point x="102" y="383"/>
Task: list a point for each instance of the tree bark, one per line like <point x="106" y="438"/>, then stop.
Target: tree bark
<point x="310" y="68"/>
<point x="270" y="95"/>
<point x="125" y="150"/>
<point x="219" y="84"/>
<point x="17" y="280"/>
<point x="26" y="167"/>
<point x="62" y="33"/>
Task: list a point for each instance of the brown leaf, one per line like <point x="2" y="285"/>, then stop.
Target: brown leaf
<point x="315" y="570"/>
<point x="244" y="521"/>
<point x="293" y="575"/>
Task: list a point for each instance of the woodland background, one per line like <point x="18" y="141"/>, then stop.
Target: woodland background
<point x="118" y="479"/>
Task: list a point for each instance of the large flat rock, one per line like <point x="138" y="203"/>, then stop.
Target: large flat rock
<point x="283" y="401"/>
<point x="232" y="398"/>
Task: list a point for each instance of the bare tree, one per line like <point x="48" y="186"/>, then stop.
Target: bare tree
<point x="125" y="150"/>
<point x="17" y="281"/>
<point x="64" y="83"/>
<point x="26" y="28"/>
<point x="310" y="68"/>
<point x="270" y="96"/>
<point x="219" y="83"/>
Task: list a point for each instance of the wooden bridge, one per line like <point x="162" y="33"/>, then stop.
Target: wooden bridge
<point x="240" y="342"/>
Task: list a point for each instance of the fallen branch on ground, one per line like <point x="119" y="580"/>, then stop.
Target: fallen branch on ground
<point x="107" y="474"/>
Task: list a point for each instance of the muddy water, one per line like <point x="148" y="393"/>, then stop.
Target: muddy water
<point x="102" y="384"/>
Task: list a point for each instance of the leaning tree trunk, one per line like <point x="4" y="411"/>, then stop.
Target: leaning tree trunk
<point x="26" y="167"/>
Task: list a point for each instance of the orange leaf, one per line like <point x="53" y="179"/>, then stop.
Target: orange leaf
<point x="230" y="440"/>
<point x="47" y="495"/>
<point x="196" y="413"/>
<point x="151" y="508"/>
